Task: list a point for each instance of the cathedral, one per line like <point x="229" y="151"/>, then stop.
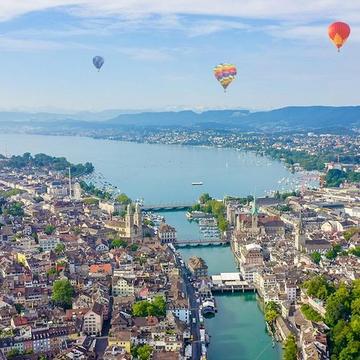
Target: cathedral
<point x="307" y="245"/>
<point x="130" y="227"/>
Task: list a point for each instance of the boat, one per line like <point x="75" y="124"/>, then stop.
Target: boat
<point x="197" y="183"/>
<point x="208" y="307"/>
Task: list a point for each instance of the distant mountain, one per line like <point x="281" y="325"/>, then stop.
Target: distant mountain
<point x="284" y="119"/>
<point x="307" y="118"/>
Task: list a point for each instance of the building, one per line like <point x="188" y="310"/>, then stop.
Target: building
<point x="250" y="261"/>
<point x="122" y="286"/>
<point x="93" y="320"/>
<point x="130" y="228"/>
<point x="48" y="242"/>
<point x="57" y="189"/>
<point x="198" y="267"/>
<point x="302" y="243"/>
<point x="166" y="233"/>
<point x="76" y="190"/>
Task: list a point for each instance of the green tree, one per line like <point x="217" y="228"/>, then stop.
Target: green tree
<point x="14" y="209"/>
<point x="13" y="353"/>
<point x="19" y="308"/>
<point x="62" y="293"/>
<point x="351" y="352"/>
<point x="123" y="199"/>
<point x="204" y="198"/>
<point x="338" y="305"/>
<point x="310" y="313"/>
<point x="272" y="311"/>
<point x="222" y="223"/>
<point x="290" y="349"/>
<point x="134" y="247"/>
<point x="60" y="248"/>
<point x="156" y="307"/>
<point x="348" y="234"/>
<point x="319" y="287"/>
<point x="316" y="257"/>
<point x="118" y="243"/>
<point x="141" y="352"/>
<point x="49" y="229"/>
<point x="144" y="352"/>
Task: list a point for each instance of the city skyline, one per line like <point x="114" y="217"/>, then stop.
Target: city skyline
<point x="161" y="56"/>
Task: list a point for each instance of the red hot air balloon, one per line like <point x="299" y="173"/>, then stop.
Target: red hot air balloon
<point x="338" y="33"/>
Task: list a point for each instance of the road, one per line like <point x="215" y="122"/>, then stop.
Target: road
<point x="194" y="306"/>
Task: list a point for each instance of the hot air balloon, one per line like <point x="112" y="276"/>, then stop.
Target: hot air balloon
<point x="338" y="33"/>
<point x="225" y="74"/>
<point x="98" y="62"/>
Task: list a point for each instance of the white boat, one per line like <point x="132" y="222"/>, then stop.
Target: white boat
<point x="197" y="183"/>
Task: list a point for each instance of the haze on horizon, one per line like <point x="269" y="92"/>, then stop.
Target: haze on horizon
<point x="160" y="55"/>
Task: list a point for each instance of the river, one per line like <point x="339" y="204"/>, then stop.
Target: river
<point x="163" y="174"/>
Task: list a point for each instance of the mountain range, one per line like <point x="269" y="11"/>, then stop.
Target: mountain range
<point x="287" y="119"/>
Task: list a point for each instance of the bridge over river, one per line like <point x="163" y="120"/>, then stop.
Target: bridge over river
<point x="203" y="242"/>
<point x="167" y="207"/>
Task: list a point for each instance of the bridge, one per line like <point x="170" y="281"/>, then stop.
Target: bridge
<point x="201" y="242"/>
<point x="167" y="207"/>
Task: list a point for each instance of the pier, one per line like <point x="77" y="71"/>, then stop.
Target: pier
<point x="230" y="282"/>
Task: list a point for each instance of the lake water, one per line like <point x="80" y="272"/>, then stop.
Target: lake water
<point x="163" y="174"/>
<point x="160" y="173"/>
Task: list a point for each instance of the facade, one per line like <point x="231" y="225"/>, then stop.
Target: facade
<point x="130" y="228"/>
<point x="48" y="242"/>
<point x="198" y="267"/>
<point x="166" y="234"/>
<point x="93" y="320"/>
<point x="122" y="287"/>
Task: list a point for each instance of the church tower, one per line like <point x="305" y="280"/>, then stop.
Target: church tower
<point x="138" y="220"/>
<point x="254" y="216"/>
<point x="300" y="238"/>
<point x="129" y="222"/>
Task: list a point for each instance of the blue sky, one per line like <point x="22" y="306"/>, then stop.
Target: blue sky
<point x="159" y="54"/>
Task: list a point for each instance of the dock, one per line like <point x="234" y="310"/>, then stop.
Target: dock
<point x="230" y="282"/>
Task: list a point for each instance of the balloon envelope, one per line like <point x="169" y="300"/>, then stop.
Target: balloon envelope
<point x="339" y="33"/>
<point x="98" y="62"/>
<point x="225" y="74"/>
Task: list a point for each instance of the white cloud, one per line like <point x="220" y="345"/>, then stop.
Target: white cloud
<point x="255" y="9"/>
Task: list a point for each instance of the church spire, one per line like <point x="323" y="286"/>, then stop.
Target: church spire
<point x="254" y="209"/>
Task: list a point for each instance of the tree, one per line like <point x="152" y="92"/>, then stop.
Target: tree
<point x="271" y="311"/>
<point x="59" y="249"/>
<point x="316" y="257"/>
<point x="156" y="307"/>
<point x="14" y="209"/>
<point x="338" y="305"/>
<point x="19" y="308"/>
<point x="144" y="352"/>
<point x="333" y="252"/>
<point x="319" y="287"/>
<point x="222" y="223"/>
<point x="290" y="349"/>
<point x="204" y="198"/>
<point x="134" y="247"/>
<point x="123" y="199"/>
<point x="141" y="352"/>
<point x="118" y="243"/>
<point x="49" y="229"/>
<point x="348" y="234"/>
<point x="62" y="293"/>
<point x="310" y="313"/>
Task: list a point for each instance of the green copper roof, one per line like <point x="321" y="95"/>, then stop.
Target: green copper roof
<point x="254" y="210"/>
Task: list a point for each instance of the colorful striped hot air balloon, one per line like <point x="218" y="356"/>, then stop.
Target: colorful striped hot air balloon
<point x="338" y="33"/>
<point x="225" y="74"/>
